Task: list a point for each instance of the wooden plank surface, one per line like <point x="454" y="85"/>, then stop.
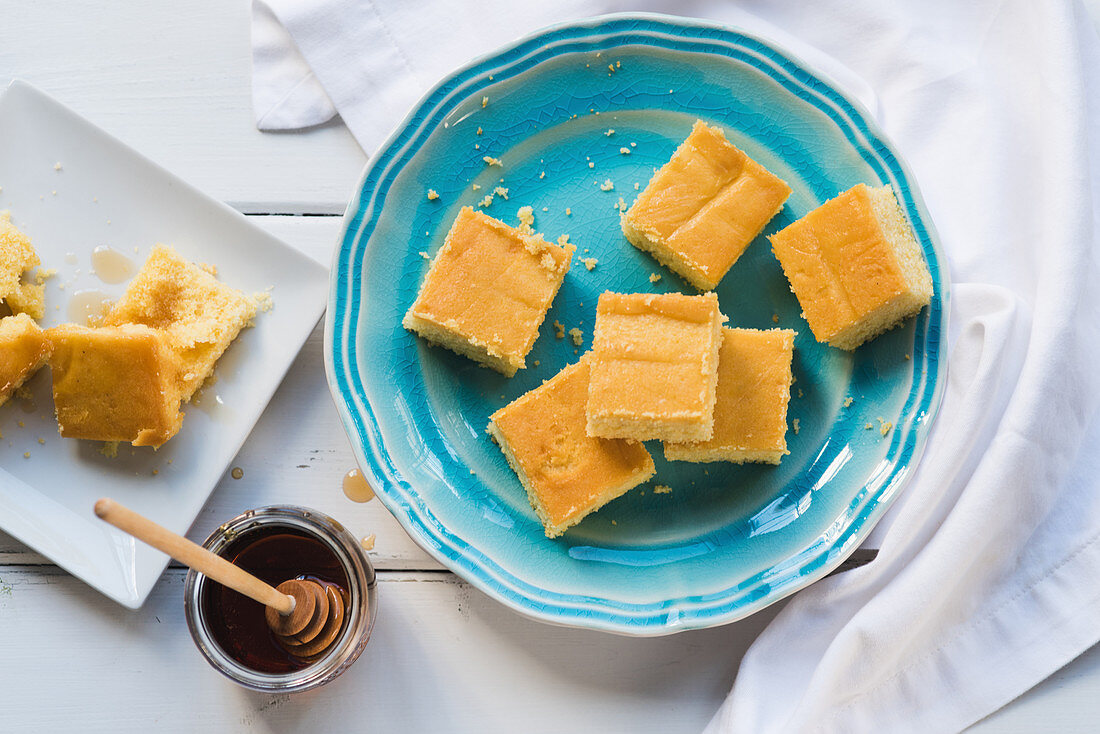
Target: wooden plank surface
<point x="173" y="79"/>
<point x="443" y="658"/>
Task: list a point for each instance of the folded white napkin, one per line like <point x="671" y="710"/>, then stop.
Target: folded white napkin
<point x="986" y="578"/>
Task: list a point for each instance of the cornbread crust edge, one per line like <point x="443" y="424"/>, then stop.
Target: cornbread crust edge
<point x="694" y="452"/>
<point x="649" y="240"/>
<point x="676" y="427"/>
<point x="552" y="529"/>
<point x="445" y="333"/>
<point x="899" y="235"/>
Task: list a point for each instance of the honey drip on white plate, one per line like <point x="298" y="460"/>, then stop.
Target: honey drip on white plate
<point x="88" y="307"/>
<point x="356" y="487"/>
<point x="110" y="265"/>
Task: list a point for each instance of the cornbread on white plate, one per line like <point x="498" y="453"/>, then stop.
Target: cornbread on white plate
<point x="750" y="413"/>
<point x="855" y="266"/>
<point x="654" y="366"/>
<point x="702" y="209"/>
<point x="115" y="383"/>
<point x="20" y="290"/>
<point x="199" y="315"/>
<point x="488" y="290"/>
<point x="567" y="474"/>
<point x="24" y="348"/>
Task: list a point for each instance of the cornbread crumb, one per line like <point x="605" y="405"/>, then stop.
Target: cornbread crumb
<point x="484" y="101"/>
<point x="563" y="240"/>
<point x="884" y="426"/>
<point x="610" y="132"/>
<point x="109" y="449"/>
<point x="907" y="356"/>
<point x="568" y="212"/>
<point x="654" y="277"/>
<point x="42" y="441"/>
<point x="868" y="427"/>
<point x="578" y="336"/>
<point x="662" y="489"/>
<point x="57" y="166"/>
<point x="607" y="185"/>
<point x="794" y="425"/>
<point x="637" y="185"/>
<point x="559" y="329"/>
<point x="263" y="301"/>
<point x="848" y="402"/>
<point x="624" y="151"/>
<point x="526" y="217"/>
<point x="775" y="318"/>
<point x="432" y="195"/>
<point x="799" y="392"/>
<point x="424" y="255"/>
<point x="26" y="454"/>
<point x="476" y="187"/>
<point x="502" y="192"/>
<point x="492" y="161"/>
<point x="591" y="164"/>
<point x="589" y="262"/>
<point x="486" y="201"/>
<point x="542" y="174"/>
<point x="479" y="131"/>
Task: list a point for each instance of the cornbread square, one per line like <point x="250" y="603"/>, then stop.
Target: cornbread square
<point x="23" y="350"/>
<point x="115" y="384"/>
<point x="200" y="315"/>
<point x="567" y="474"/>
<point x="654" y="367"/>
<point x="702" y="209"/>
<point x="855" y="266"/>
<point x="488" y="290"/>
<point x="750" y="414"/>
<point x="19" y="290"/>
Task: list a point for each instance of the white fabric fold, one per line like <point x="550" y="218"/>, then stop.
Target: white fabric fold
<point x="985" y="582"/>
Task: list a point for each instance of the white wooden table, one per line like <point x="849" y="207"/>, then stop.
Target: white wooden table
<point x="172" y="80"/>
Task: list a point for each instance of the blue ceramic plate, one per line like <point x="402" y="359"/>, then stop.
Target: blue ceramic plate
<point x="727" y="540"/>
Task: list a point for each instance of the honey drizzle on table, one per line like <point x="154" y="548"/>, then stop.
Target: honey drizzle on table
<point x="356" y="487"/>
<point x="110" y="265"/>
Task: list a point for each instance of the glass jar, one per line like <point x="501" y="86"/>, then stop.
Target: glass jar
<point x="233" y="536"/>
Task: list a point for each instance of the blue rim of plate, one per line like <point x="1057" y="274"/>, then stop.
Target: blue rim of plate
<point x="346" y="301"/>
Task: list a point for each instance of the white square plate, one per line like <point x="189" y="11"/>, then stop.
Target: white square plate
<point x="105" y="193"/>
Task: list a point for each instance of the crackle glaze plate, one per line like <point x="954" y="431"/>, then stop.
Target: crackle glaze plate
<point x="570" y="112"/>
<point x="72" y="188"/>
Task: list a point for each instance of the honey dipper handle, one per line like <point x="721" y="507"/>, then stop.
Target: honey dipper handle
<point x="192" y="555"/>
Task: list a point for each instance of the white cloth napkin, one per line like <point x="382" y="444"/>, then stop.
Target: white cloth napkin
<point x="986" y="581"/>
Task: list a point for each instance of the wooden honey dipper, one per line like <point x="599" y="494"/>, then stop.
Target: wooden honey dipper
<point x="305" y="616"/>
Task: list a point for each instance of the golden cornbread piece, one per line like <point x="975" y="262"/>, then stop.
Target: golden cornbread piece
<point x="488" y="290"/>
<point x="115" y="384"/>
<point x="567" y="474"/>
<point x="702" y="209"/>
<point x="20" y="291"/>
<point x="23" y="350"/>
<point x="750" y="414"/>
<point x="855" y="266"/>
<point x="654" y="366"/>
<point x="200" y="315"/>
